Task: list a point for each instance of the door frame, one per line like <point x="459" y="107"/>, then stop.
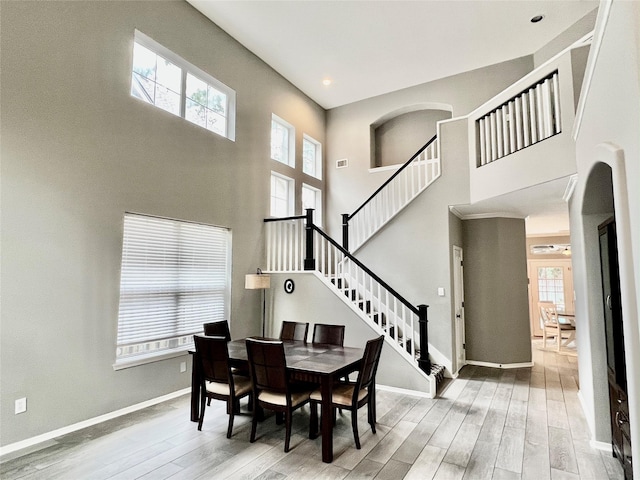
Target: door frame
<point x="458" y="307"/>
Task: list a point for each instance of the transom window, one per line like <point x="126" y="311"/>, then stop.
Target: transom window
<point x="282" y="141"/>
<point x="311" y="157"/>
<point x="281" y="195"/>
<point x="175" y="276"/>
<point x="162" y="78"/>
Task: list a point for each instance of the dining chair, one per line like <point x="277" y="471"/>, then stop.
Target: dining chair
<point x="272" y="388"/>
<point x="353" y="395"/>
<point x="552" y="326"/>
<point x="294" y="331"/>
<point x="218" y="329"/>
<point x="216" y="379"/>
<point x="328" y="334"/>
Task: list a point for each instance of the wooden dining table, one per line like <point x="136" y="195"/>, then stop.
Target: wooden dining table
<point x="306" y="362"/>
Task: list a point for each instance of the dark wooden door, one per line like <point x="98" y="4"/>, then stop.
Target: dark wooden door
<point x="616" y="364"/>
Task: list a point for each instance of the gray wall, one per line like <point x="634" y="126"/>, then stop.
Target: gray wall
<point x="569" y="36"/>
<point x="399" y="138"/>
<point x="312" y="301"/>
<point x="608" y="134"/>
<point x="496" y="292"/>
<point x="349" y="135"/>
<point x="77" y="152"/>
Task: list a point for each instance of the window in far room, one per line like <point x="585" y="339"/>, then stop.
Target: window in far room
<point x="281" y="195"/>
<point x="164" y="79"/>
<point x="282" y="141"/>
<point x="312" y="198"/>
<point x="311" y="157"/>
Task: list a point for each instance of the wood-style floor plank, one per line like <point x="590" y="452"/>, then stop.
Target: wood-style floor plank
<point x="492" y="424"/>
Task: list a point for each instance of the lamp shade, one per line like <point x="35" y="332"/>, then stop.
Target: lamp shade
<point x="256" y="281"/>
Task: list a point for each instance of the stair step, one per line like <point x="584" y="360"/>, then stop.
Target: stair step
<point x="365" y="306"/>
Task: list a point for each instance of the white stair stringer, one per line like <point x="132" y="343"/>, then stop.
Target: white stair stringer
<point x="432" y="380"/>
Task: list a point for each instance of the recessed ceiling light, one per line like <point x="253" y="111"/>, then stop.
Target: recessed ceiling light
<point x="326" y="82"/>
<point x="537" y="18"/>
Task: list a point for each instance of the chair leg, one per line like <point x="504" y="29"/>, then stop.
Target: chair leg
<point x="287" y="437"/>
<point x="232" y="404"/>
<point x="371" y="413"/>
<point x="203" y="398"/>
<point x="354" y="426"/>
<point x="254" y="426"/>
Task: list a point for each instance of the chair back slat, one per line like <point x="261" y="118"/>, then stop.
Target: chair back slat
<point x="267" y="364"/>
<point x="294" y="331"/>
<point x="213" y="355"/>
<point x="328" y="334"/>
<point x="218" y="329"/>
<point x="370" y="361"/>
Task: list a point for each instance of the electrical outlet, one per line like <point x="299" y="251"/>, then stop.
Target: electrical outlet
<point x="21" y="405"/>
<point x="183" y="367"/>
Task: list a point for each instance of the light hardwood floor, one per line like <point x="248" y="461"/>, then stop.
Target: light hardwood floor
<point x="487" y="424"/>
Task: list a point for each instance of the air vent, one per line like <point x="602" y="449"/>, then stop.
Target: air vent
<point x="554" y="249"/>
<point x="342" y="163"/>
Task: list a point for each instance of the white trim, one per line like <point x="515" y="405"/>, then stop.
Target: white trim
<point x="571" y="186"/>
<point x="598" y="34"/>
<point x="500" y="365"/>
<point x="605" y="447"/>
<point x="30" y="442"/>
<point x="404" y="391"/>
<point x="475" y="216"/>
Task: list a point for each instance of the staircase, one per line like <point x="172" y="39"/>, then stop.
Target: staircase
<point x="296" y="244"/>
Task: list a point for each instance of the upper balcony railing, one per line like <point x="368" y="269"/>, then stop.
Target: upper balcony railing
<point x="525" y="119"/>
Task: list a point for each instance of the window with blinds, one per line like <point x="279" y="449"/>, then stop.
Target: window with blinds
<point x="175" y="276"/>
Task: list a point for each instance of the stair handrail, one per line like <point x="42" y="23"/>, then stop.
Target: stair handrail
<point x="310" y="264"/>
<point x="348" y="216"/>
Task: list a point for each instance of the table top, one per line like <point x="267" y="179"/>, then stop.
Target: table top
<point x="320" y="359"/>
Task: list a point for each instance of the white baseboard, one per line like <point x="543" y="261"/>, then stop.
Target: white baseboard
<point x="500" y="365"/>
<point x="33" y="441"/>
<point x="605" y="447"/>
<point x="405" y="391"/>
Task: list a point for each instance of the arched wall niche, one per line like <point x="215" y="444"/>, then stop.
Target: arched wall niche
<point x="397" y="135"/>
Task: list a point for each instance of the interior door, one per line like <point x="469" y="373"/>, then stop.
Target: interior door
<point x="550" y="281"/>
<point x="458" y="302"/>
<point x="616" y="362"/>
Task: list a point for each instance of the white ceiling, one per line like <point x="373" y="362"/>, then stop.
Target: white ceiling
<point x="369" y="48"/>
<point x="373" y="47"/>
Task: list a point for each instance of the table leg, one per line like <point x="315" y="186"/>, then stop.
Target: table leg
<point x="327" y="419"/>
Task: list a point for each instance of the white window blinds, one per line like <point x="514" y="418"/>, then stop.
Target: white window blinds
<point x="175" y="276"/>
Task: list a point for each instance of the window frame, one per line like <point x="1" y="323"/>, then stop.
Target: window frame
<point x="290" y="194"/>
<point x="186" y="67"/>
<point x="163" y="289"/>
<point x="317" y="157"/>
<point x="317" y="217"/>
<point x="291" y="152"/>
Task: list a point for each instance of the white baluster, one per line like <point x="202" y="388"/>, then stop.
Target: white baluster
<point x="499" y="140"/>
<point x="547" y="119"/>
<point x="518" y="104"/>
<point x="483" y="158"/>
<point x="556" y="103"/>
<point x="512" y="126"/>
<point x="532" y="115"/>
<point x="494" y="148"/>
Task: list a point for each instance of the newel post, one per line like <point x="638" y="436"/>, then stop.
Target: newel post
<point x="423" y="361"/>
<point x="309" y="261"/>
<point x="345" y="231"/>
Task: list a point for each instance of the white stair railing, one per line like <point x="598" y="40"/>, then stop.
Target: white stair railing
<point x="397" y="192"/>
<point x="294" y="244"/>
<point x="527" y="118"/>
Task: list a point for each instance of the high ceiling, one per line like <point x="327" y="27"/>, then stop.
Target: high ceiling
<point x="368" y="48"/>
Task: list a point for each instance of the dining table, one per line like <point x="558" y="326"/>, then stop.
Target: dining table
<point x="312" y="363"/>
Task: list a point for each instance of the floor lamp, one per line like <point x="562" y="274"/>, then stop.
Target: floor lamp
<point x="258" y="281"/>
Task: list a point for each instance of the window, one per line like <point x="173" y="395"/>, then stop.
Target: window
<point x="164" y="79"/>
<point x="175" y="276"/>
<point x="281" y="195"/>
<point x="311" y="157"/>
<point x="282" y="138"/>
<point x="312" y="198"/>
